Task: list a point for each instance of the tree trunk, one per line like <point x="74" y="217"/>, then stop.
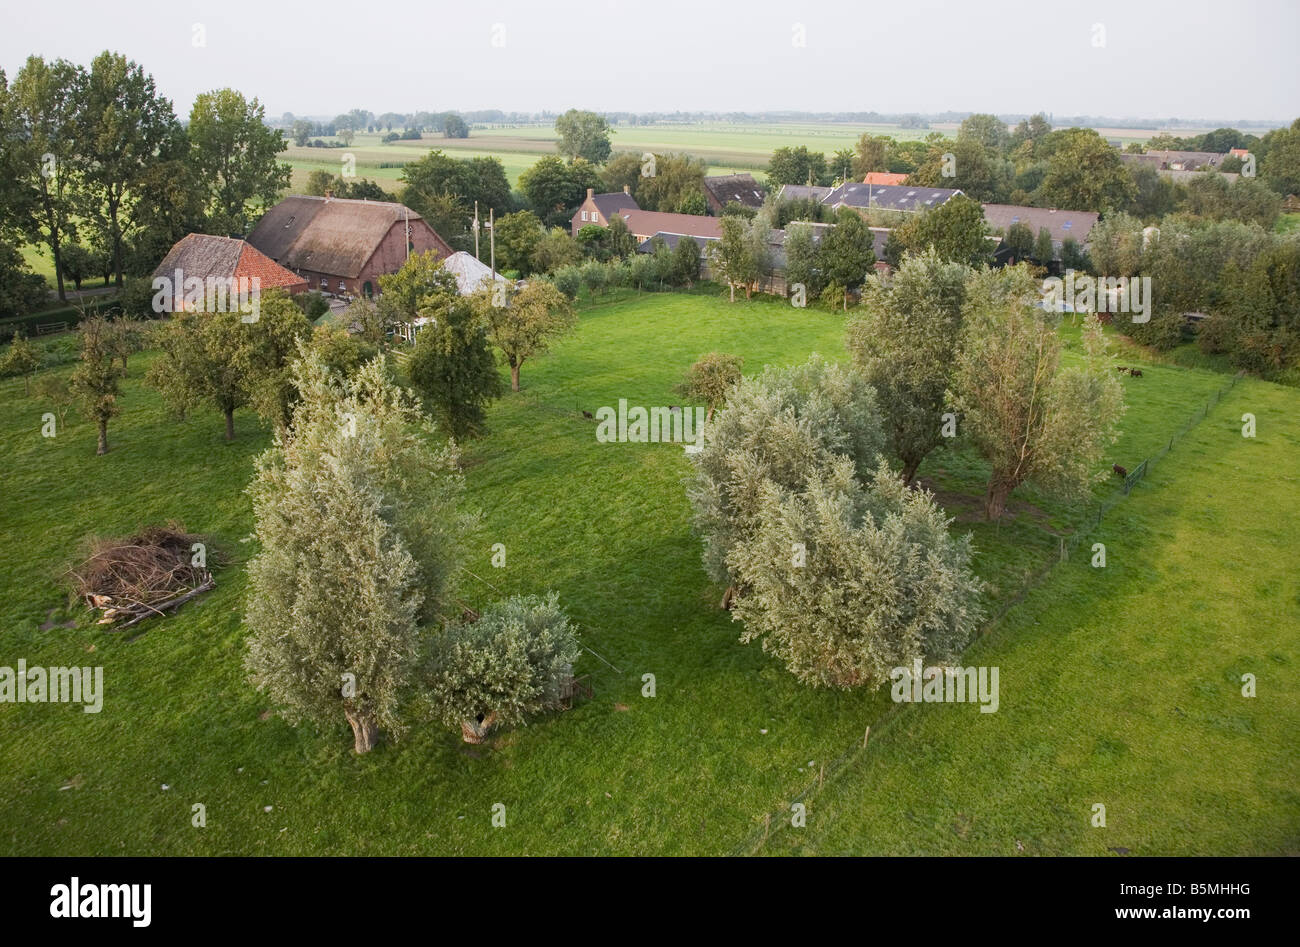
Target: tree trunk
<point x="103" y="437"/>
<point x="230" y="424"/>
<point x="728" y="597"/>
<point x="909" y="471"/>
<point x="117" y="242"/>
<point x="995" y="501"/>
<point x="364" y="730"/>
<point x="57" y="252"/>
<point x="476" y="730"/>
<point x="732" y="286"/>
<point x="514" y="377"/>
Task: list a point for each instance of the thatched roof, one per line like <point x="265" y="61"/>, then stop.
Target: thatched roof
<point x="326" y="234"/>
<point x="202" y="255"/>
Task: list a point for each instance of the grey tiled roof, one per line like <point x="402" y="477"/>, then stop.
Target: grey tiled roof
<point x="889" y="197"/>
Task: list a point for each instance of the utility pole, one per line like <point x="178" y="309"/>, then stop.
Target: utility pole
<point x="476" y="256"/>
<point x="492" y="239"/>
<point x="406" y="212"/>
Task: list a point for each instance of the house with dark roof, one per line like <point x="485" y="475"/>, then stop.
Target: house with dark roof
<point x="723" y="189"/>
<point x="1163" y="160"/>
<point x="598" y="208"/>
<point x="864" y="195"/>
<point x="209" y="258"/>
<point x="344" y="246"/>
<point x="1063" y="225"/>
<point x="901" y="197"/>
<point x="803" y="192"/>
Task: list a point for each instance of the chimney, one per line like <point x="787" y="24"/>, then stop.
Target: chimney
<point x="627" y="189"/>
<point x="590" y="192"/>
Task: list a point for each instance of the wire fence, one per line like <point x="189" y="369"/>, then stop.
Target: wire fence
<point x="774" y="821"/>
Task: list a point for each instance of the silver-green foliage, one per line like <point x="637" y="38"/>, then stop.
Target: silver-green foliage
<point x="514" y="661"/>
<point x="905" y="344"/>
<point x="357" y="518"/>
<point x="846" y="581"/>
<point x="781" y="427"/>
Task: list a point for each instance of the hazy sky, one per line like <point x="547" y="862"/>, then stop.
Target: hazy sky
<point x="1190" y="59"/>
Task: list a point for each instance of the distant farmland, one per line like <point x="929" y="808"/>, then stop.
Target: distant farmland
<point x="726" y="146"/>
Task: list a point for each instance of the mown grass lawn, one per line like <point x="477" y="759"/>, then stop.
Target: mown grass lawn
<point x="689" y="770"/>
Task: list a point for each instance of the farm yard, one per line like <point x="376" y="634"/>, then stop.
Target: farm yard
<point x="1120" y="685"/>
<point x="512" y="432"/>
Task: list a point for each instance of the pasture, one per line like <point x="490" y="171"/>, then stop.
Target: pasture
<point x="1097" y="664"/>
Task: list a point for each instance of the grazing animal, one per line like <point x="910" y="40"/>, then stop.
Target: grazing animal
<point x="589" y="415"/>
<point x="1135" y="372"/>
<point x="1121" y="368"/>
<point x="1119" y="470"/>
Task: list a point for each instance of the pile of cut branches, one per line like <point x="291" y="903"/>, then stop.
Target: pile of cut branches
<point x="152" y="572"/>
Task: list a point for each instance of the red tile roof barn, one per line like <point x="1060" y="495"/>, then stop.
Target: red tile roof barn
<point x="202" y="255"/>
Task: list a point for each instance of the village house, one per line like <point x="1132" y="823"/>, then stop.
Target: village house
<point x="1163" y="160"/>
<point x="1063" y="225"/>
<point x="644" y="224"/>
<point x="598" y="208"/>
<point x="723" y="189"/>
<point x="343" y="246"/>
<point x="776" y="283"/>
<point x="863" y="195"/>
<point x="206" y="257"/>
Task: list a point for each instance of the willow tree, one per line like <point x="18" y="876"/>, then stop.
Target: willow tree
<point x="904" y="343"/>
<point x="1033" y="418"/>
<point x="847" y="580"/>
<point x="357" y="517"/>
<point x="779" y="428"/>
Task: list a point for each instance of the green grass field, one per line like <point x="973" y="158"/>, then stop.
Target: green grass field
<point x="1197" y="589"/>
<point x="1119" y="685"/>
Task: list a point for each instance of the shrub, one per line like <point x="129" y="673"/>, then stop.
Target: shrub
<point x="710" y="378"/>
<point x="594" y="276"/>
<point x="313" y="304"/>
<point x="514" y="661"/>
<point x="568" y="280"/>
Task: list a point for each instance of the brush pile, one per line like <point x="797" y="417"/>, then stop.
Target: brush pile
<point x="152" y="572"/>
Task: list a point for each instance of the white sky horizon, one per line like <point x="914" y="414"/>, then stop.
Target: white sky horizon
<point x="1196" y="61"/>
